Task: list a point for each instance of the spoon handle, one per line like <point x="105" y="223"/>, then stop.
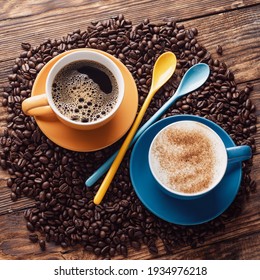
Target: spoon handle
<point x="116" y="163"/>
<point x="105" y="166"/>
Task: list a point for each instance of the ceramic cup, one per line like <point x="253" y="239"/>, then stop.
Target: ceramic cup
<point x="188" y="159"/>
<point x="43" y="104"/>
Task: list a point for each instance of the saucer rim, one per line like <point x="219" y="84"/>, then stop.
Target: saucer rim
<point x="133" y="177"/>
<point x="76" y="147"/>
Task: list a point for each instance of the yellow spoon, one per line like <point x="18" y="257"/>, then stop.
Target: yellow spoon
<point x="164" y="67"/>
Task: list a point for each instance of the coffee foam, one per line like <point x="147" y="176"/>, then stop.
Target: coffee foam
<point x="187" y="157"/>
<point x="78" y="97"/>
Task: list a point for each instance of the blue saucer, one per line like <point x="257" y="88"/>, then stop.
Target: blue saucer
<point x="179" y="211"/>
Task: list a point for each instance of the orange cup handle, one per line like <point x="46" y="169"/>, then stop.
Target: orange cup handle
<point x="36" y="105"/>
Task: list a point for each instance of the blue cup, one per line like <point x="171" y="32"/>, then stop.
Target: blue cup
<point x="226" y="157"/>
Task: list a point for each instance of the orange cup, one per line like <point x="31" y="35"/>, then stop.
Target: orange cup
<point x="43" y="104"/>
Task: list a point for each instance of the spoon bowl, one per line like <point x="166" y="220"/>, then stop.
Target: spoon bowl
<point x="195" y="77"/>
<point x="164" y="67"/>
<point x="192" y="79"/>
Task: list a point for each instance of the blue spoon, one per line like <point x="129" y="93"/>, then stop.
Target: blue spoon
<point x="193" y="79"/>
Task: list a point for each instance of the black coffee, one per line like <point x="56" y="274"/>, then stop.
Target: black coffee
<point x="85" y="91"/>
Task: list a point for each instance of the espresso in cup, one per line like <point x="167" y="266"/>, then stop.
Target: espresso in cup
<point x="85" y="91"/>
<point x="187" y="157"/>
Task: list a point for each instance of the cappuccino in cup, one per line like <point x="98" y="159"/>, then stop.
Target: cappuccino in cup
<point x="187" y="157"/>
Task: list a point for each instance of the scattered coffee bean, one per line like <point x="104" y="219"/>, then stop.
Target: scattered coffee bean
<point x="42" y="245"/>
<point x="219" y="50"/>
<point x="64" y="212"/>
<point x="30" y="226"/>
<point x="13" y="196"/>
<point x="33" y="237"/>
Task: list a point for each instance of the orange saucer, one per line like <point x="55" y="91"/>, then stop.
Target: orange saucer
<point x="89" y="140"/>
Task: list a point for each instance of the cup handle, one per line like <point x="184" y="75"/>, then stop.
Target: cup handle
<point x="239" y="153"/>
<point x="37" y="105"/>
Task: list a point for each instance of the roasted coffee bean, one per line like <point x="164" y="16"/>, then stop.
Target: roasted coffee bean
<point x="181" y="35"/>
<point x="136" y="245"/>
<point x="153" y="249"/>
<point x="45" y="185"/>
<point x="39" y="67"/>
<point x="33" y="237"/>
<point x="42" y="196"/>
<point x="38" y="180"/>
<point x="30" y="226"/>
<point x="26" y="46"/>
<point x="53" y="177"/>
<point x="13" y="196"/>
<point x="42" y="245"/>
<point x="44" y="160"/>
<point x="219" y="49"/>
<point x="9" y="182"/>
<point x="64" y="188"/>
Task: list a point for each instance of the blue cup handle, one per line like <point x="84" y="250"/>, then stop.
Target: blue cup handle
<point x="239" y="153"/>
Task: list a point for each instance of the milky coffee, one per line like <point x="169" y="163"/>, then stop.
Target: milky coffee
<point x="187" y="157"/>
<point x="85" y="91"/>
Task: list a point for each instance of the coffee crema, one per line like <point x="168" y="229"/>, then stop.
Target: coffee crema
<point x="85" y="91"/>
<point x="187" y="157"/>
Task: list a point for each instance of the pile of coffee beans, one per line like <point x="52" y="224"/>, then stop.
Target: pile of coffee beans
<point x="64" y="212"/>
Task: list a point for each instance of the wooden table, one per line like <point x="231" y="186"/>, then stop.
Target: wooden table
<point x="233" y="24"/>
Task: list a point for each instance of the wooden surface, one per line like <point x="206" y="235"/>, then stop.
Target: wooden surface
<point x="233" y="24"/>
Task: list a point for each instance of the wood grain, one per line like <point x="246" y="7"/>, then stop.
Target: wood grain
<point x="14" y="243"/>
<point x="233" y="24"/>
<point x="237" y="31"/>
<point x="184" y="9"/>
